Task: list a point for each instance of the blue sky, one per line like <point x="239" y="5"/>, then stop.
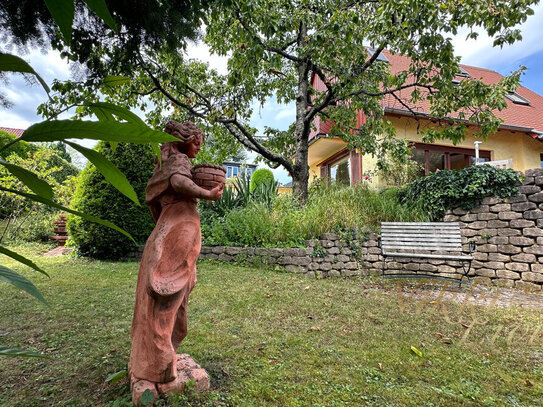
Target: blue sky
<point x="528" y="52"/>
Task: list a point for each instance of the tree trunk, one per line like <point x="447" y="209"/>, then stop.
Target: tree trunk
<point x="300" y="175"/>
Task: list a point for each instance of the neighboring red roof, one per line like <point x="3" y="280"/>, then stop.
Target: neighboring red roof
<point x="527" y="117"/>
<point x="16" y="132"/>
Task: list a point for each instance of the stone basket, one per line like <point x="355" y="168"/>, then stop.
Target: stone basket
<point x="208" y="176"/>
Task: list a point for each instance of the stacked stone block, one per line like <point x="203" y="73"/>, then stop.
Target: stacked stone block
<point x="509" y="236"/>
<point x="329" y="256"/>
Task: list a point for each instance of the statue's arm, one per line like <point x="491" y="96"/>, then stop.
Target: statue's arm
<point x="184" y="186"/>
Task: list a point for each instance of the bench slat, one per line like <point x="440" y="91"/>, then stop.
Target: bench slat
<point x="421" y="238"/>
<point x="419" y="247"/>
<point x="428" y="256"/>
<point x="419" y="224"/>
<point x="402" y="228"/>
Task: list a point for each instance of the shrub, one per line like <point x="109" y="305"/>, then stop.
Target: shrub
<point x="464" y="188"/>
<point x="328" y="209"/>
<point x="21" y="148"/>
<point x="261" y="176"/>
<point x="95" y="196"/>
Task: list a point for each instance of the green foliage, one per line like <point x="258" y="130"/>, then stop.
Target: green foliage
<point x="260" y="177"/>
<point x="95" y="196"/>
<point x="283" y="223"/>
<point x="21" y="149"/>
<point x="464" y="188"/>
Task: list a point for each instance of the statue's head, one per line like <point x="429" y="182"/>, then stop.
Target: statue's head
<point x="190" y="138"/>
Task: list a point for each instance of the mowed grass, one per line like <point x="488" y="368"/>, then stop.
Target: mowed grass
<point x="269" y="339"/>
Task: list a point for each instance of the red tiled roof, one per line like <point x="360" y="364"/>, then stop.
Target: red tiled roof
<point x="527" y="117"/>
<point x="16" y="132"/>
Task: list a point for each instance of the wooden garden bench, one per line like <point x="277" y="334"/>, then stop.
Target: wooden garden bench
<point x="424" y="240"/>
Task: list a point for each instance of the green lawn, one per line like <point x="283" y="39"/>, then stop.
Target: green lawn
<point x="269" y="339"/>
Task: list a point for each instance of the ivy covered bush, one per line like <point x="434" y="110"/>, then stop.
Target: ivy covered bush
<point x="464" y="188"/>
<point x="95" y="196"/>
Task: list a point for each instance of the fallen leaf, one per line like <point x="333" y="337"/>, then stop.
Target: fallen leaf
<point x="456" y="334"/>
<point x="428" y="363"/>
<point x="486" y="355"/>
<point x="269" y="295"/>
<point x="529" y="383"/>
<point x="439" y="335"/>
<point x="306" y="288"/>
<point x="315" y="328"/>
<point x="380" y="366"/>
<point x="309" y="316"/>
<point x="422" y="345"/>
<point x="447" y="341"/>
<point x="416" y="351"/>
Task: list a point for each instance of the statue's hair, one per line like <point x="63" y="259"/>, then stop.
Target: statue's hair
<point x="185" y="132"/>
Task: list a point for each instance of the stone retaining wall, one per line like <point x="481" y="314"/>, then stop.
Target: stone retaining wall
<point x="509" y="235"/>
<point x="329" y="256"/>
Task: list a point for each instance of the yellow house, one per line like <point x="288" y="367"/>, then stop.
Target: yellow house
<point x="518" y="142"/>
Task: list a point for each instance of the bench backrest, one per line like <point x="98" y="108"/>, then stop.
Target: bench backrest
<point x="421" y="236"/>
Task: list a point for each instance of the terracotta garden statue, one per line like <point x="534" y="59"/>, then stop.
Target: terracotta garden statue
<point x="167" y="272"/>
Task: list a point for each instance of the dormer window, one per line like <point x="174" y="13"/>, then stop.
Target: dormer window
<point x="463" y="72"/>
<point x="517" y="99"/>
<point x="381" y="57"/>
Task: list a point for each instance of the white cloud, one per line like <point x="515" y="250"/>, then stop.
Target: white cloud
<point x="201" y="52"/>
<point x="286" y="112"/>
<point x="481" y="53"/>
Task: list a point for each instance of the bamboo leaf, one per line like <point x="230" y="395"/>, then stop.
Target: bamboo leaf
<point x="101" y="10"/>
<point x="12" y="63"/>
<point x="60" y="130"/>
<point x="11" y="277"/>
<point x="115" y="80"/>
<point x="416" y="351"/>
<point x="110" y="109"/>
<point x="62" y="12"/>
<point x="5" y="351"/>
<point x="115" y="377"/>
<point x="21" y="259"/>
<point x="48" y="202"/>
<point x="30" y="179"/>
<point x="111" y="173"/>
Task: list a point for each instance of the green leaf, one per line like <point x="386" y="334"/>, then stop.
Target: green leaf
<point x="115" y="377"/>
<point x="48" y="202"/>
<point x="111" y="173"/>
<point x="5" y="351"/>
<point x="100" y="8"/>
<point x="416" y="351"/>
<point x="21" y="259"/>
<point x="115" y="80"/>
<point x="11" y="277"/>
<point x="156" y="149"/>
<point x="12" y="63"/>
<point x="109" y="109"/>
<point x="60" y="130"/>
<point x="147" y="397"/>
<point x="62" y="12"/>
<point x="30" y="179"/>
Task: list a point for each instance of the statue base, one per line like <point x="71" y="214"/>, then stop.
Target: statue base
<point x="187" y="371"/>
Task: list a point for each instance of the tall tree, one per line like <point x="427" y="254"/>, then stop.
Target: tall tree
<point x="275" y="46"/>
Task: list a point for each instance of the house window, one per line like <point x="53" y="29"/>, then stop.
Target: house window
<point x="517" y="99"/>
<point x="235" y="171"/>
<point x="441" y="157"/>
<point x="340" y="171"/>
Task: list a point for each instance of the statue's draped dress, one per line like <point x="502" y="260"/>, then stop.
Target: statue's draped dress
<point x="166" y="276"/>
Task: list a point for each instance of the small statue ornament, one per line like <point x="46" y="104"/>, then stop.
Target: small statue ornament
<point x="167" y="271"/>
